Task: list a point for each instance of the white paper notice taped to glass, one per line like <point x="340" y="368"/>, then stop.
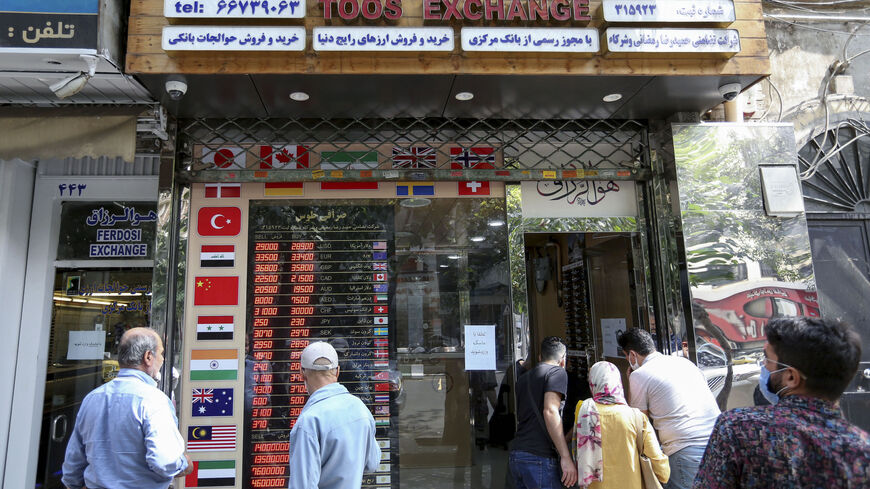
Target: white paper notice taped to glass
<point x="479" y="347"/>
<point x="86" y="345"/>
<point x="668" y="11"/>
<point x="232" y="38"/>
<point x="230" y="9"/>
<point x="383" y="39"/>
<point x="652" y="40"/>
<point x="533" y="40"/>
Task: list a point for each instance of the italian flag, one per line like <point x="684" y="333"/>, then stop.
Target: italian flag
<point x="212" y="473"/>
<point x="214" y="364"/>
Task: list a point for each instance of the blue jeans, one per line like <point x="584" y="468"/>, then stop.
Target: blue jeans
<point x="532" y="471"/>
<point x="684" y="465"/>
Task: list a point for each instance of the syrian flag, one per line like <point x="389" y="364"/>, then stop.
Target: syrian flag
<point x="223" y="190"/>
<point x="214" y="327"/>
<point x="217" y="256"/>
<point x="212" y="473"/>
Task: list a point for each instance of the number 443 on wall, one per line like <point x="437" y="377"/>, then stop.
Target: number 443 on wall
<point x="71" y="189"/>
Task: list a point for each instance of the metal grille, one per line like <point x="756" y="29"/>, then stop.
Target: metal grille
<point x="519" y="144"/>
<point x="835" y="167"/>
<point x="144" y="165"/>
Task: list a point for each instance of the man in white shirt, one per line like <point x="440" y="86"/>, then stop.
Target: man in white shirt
<point x="673" y="392"/>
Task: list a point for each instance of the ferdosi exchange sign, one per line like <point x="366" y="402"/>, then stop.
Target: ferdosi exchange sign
<point x="107" y="231"/>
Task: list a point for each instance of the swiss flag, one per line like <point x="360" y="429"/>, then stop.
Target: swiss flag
<point x="216" y="291"/>
<point x="219" y="221"/>
<point x="473" y="188"/>
<point x="381" y="309"/>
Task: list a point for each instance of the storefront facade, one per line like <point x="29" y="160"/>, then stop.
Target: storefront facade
<point x="432" y="188"/>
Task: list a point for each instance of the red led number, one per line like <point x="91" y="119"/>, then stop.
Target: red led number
<point x="266" y="247"/>
<point x="302" y="246"/>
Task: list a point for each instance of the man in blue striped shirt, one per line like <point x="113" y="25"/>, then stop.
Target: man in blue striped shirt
<point x="126" y="434"/>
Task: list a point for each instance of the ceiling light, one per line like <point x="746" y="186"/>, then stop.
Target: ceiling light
<point x="613" y="97"/>
<point x="496" y="223"/>
<point x="299" y="96"/>
<point x="415" y="202"/>
<point x="478" y="239"/>
<point x="464" y="96"/>
<point x="454" y="257"/>
<point x="443" y="266"/>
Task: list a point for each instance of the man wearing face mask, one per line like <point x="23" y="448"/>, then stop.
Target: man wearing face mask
<point x="673" y="392"/>
<point x="126" y="434"/>
<point x="802" y="440"/>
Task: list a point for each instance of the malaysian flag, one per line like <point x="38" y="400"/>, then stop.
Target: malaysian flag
<point x="211" y="438"/>
<point x="382" y="410"/>
<point x="414" y="157"/>
<point x="477" y="158"/>
<point x="379" y="266"/>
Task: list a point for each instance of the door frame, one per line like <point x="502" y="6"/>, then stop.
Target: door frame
<point x="28" y="392"/>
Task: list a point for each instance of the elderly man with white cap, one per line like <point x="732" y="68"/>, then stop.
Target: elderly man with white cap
<point x="333" y="440"/>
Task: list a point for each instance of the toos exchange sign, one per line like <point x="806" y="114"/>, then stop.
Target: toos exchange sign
<point x="500" y="10"/>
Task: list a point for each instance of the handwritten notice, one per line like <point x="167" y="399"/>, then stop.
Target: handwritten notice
<point x="86" y="345"/>
<point x="631" y="40"/>
<point x="231" y="38"/>
<point x="579" y="198"/>
<point x="610" y="329"/>
<point x="502" y="39"/>
<point x="230" y="9"/>
<point x="383" y="38"/>
<point x="480" y="347"/>
<point x="668" y="11"/>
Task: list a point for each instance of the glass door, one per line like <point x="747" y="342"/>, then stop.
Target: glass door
<point x="91" y="309"/>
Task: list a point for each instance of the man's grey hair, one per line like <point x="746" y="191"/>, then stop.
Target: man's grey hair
<point x="132" y="349"/>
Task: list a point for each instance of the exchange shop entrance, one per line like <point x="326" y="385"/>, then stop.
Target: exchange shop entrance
<point x="585" y="288"/>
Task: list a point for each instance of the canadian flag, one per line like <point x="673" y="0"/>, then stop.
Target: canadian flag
<point x="289" y="157"/>
<point x="474" y="188"/>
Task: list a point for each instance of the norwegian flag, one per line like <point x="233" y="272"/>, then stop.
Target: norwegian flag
<point x="414" y="157"/>
<point x="379" y="266"/>
<point x="287" y="157"/>
<point x="478" y="158"/>
<point x="381" y="309"/>
<point x="203" y="396"/>
<point x="381" y="342"/>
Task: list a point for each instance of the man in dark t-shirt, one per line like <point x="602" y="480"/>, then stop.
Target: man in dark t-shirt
<point x="539" y="442"/>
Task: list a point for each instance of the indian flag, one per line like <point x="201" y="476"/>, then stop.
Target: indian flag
<point x="214" y="364"/>
<point x="211" y="473"/>
<point x="382" y="421"/>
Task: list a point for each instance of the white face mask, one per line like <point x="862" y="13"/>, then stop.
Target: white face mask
<point x="634" y="365"/>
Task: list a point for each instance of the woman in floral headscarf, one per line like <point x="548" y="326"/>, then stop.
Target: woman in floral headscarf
<point x="605" y="436"/>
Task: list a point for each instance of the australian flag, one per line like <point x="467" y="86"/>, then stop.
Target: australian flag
<point x="381" y="287"/>
<point x="212" y="402"/>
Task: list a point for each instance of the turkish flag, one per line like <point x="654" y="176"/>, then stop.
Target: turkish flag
<point x="219" y="221"/>
<point x="473" y="188"/>
<point x="216" y="291"/>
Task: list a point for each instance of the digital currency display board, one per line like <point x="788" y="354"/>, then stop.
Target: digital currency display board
<point x="317" y="273"/>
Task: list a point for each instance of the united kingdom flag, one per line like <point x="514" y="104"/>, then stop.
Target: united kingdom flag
<point x="203" y="396"/>
<point x="379" y="266"/>
<point x="477" y="158"/>
<point x="414" y="157"/>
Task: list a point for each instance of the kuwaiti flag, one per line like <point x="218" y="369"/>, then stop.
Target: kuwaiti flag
<point x="217" y="256"/>
<point x="214" y="364"/>
<point x="212" y="473"/>
<point x="214" y="327"/>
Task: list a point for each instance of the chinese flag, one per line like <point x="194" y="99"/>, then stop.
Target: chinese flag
<point x="216" y="291"/>
<point x="382" y="387"/>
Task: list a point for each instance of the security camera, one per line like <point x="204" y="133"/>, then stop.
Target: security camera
<point x="730" y="91"/>
<point x="176" y="89"/>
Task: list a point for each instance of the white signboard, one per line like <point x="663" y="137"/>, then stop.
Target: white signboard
<point x="611" y="328"/>
<point x="579" y="198"/>
<point x="234" y="9"/>
<point x="530" y="40"/>
<point x="383" y="38"/>
<point x="782" y="191"/>
<point x="86" y="345"/>
<point x="479" y="347"/>
<point x="232" y="38"/>
<point x="652" y="40"/>
<point x="668" y="11"/>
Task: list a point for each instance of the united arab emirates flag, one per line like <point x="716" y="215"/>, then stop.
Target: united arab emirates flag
<point x="212" y="473"/>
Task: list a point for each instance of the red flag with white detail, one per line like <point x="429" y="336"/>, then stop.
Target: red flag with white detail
<point x="474" y="188"/>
